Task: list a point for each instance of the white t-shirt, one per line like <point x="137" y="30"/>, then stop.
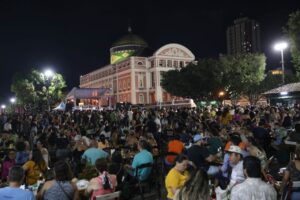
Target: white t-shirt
<point x="237" y="174"/>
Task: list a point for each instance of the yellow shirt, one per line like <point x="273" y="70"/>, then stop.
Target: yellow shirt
<point x="175" y="179"/>
<point x="33" y="171"/>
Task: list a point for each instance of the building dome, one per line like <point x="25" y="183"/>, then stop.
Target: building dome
<point x="130" y="39"/>
<point x="126" y="46"/>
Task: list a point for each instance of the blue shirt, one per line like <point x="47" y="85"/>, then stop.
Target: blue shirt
<point x="142" y="157"/>
<point x="92" y="154"/>
<point x="9" y="193"/>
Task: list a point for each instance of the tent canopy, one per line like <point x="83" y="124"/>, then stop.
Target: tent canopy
<point x="88" y="93"/>
<point x="61" y="106"/>
<point x="291" y="87"/>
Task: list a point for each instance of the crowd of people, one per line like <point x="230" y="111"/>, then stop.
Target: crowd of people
<point x="226" y="152"/>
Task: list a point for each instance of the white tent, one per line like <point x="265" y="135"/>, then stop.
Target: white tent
<point x="61" y="106"/>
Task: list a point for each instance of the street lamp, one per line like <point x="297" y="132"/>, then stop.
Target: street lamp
<point x="3" y="106"/>
<point x="48" y="74"/>
<point x="281" y="46"/>
<point x="13" y="100"/>
<point x="221" y="95"/>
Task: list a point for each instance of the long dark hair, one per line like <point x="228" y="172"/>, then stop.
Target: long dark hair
<point x="101" y="166"/>
<point x="38" y="159"/>
<point x="196" y="187"/>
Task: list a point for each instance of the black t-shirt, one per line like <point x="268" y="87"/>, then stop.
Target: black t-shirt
<point x="198" y="154"/>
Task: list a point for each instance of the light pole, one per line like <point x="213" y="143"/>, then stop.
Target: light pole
<point x="3" y="106"/>
<point x="281" y="46"/>
<point x="12" y="101"/>
<point x="48" y="74"/>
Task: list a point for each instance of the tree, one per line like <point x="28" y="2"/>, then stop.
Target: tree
<point x="243" y="74"/>
<point x="198" y="81"/>
<point x="236" y="75"/>
<point x="34" y="90"/>
<point x="293" y="32"/>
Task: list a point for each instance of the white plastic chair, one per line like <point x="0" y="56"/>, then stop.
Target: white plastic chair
<point x="109" y="196"/>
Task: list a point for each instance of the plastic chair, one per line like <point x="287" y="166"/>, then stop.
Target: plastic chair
<point x="109" y="196"/>
<point x="143" y="183"/>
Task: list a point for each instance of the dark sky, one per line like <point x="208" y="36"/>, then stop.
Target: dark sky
<point x="74" y="37"/>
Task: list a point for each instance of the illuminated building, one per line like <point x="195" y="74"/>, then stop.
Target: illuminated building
<point x="243" y="37"/>
<point x="134" y="74"/>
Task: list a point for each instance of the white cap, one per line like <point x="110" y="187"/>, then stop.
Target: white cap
<point x="235" y="149"/>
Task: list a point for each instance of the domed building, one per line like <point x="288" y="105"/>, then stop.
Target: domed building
<point x="134" y="75"/>
<point x="126" y="46"/>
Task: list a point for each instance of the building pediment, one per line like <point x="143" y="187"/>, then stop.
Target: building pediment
<point x="174" y="50"/>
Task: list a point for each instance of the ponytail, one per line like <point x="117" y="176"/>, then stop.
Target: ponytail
<point x="106" y="181"/>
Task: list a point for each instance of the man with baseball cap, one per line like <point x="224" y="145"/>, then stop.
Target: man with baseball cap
<point x="237" y="173"/>
<point x="236" y="161"/>
<point x="200" y="156"/>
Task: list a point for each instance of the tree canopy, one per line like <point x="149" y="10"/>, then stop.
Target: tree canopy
<point x="236" y="75"/>
<point x="34" y="90"/>
<point x="293" y="32"/>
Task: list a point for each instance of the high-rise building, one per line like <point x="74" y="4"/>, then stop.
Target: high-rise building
<point x="243" y="37"/>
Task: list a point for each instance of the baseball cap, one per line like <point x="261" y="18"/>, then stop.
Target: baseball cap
<point x="235" y="149"/>
<point x="198" y="137"/>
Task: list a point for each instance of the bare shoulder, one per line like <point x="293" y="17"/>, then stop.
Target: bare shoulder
<point x="48" y="184"/>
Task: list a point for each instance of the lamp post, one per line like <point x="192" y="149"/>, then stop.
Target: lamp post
<point x="12" y="101"/>
<point x="48" y="74"/>
<point x="3" y="106"/>
<point x="281" y="46"/>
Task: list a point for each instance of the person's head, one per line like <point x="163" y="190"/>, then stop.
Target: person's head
<point x="62" y="171"/>
<point x="37" y="157"/>
<point x="235" y="153"/>
<point x="297" y="128"/>
<point x="11" y="155"/>
<point x="16" y="174"/>
<point x="252" y="167"/>
<point x="181" y="162"/>
<point x="117" y="157"/>
<point x="93" y="144"/>
<point x="196" y="187"/>
<point x="102" y="168"/>
<point x="101" y="165"/>
<point x="199" y="139"/>
<point x="142" y="144"/>
<point x="297" y="152"/>
<point x="235" y="139"/>
<point x="102" y="138"/>
<point x="39" y="144"/>
<point x="20" y="146"/>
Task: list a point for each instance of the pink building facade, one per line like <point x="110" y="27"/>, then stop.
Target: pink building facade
<point x="136" y="79"/>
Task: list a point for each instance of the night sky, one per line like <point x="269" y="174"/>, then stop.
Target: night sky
<point x="74" y="37"/>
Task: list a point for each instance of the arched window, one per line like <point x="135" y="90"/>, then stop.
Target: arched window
<point x="141" y="98"/>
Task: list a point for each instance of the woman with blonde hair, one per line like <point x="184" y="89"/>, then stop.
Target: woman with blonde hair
<point x="196" y="187"/>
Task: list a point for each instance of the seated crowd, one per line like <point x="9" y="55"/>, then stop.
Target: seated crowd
<point x="224" y="153"/>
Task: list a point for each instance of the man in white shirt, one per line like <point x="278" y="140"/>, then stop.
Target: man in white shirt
<point x="253" y="187"/>
<point x="237" y="173"/>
